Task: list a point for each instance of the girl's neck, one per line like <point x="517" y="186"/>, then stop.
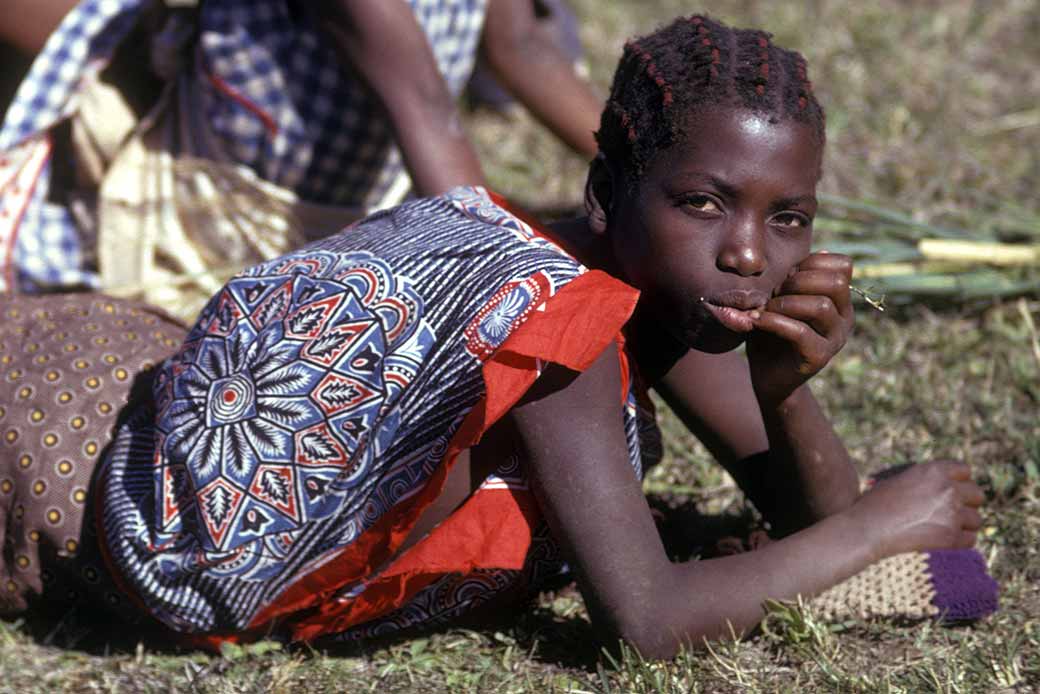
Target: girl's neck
<point x="654" y="349"/>
<point x="591" y="250"/>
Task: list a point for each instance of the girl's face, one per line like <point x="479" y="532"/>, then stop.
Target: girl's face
<point x="717" y="221"/>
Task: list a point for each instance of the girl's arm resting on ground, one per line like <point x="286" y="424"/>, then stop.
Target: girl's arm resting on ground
<point x="574" y="447"/>
<point x="388" y="50"/>
<point x="572" y="440"/>
<point x="539" y="75"/>
<point x="787" y="459"/>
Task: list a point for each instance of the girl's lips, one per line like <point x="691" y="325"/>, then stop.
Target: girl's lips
<point x="734" y="319"/>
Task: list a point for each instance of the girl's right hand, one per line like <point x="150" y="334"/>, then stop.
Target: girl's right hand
<point x="929" y="506"/>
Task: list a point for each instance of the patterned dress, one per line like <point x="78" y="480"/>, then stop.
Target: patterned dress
<point x="270" y="86"/>
<point x="314" y="411"/>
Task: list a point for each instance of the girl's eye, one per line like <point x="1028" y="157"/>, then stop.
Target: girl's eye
<point x="791" y="219"/>
<point x="701" y="203"/>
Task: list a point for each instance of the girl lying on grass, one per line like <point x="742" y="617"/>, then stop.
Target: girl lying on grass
<point x="438" y="408"/>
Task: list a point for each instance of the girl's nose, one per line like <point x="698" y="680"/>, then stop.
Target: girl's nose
<point x="743" y="251"/>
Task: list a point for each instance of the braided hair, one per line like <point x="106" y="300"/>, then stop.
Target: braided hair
<point x="693" y="63"/>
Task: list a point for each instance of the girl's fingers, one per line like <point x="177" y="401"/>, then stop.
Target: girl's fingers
<point x="816" y="310"/>
<point x="970" y="493"/>
<point x="970" y="519"/>
<point x="811" y="345"/>
<point x="958" y="470"/>
<point x="814" y="282"/>
<point x="833" y="285"/>
<point x="831" y="262"/>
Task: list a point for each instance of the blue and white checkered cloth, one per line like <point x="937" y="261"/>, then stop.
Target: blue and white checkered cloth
<point x="48" y="251"/>
<point x="274" y="93"/>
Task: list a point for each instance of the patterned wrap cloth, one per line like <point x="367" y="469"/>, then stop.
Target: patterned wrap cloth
<point x="68" y="364"/>
<point x="315" y="408"/>
<point x="269" y="86"/>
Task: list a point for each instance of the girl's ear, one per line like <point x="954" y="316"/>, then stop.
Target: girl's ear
<point x="599" y="194"/>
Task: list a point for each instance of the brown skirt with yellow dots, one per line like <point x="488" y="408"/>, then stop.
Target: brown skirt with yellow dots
<point x="69" y="366"/>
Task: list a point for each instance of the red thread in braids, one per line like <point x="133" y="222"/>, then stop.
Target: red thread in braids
<point x="705" y="33"/>
<point x="763" y="67"/>
<point x="806" y="85"/>
<point x="652" y="72"/>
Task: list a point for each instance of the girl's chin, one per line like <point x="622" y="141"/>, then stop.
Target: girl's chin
<point x="721" y="346"/>
<point x="711" y="338"/>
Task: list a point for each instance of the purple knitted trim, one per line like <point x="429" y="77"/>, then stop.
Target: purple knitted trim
<point x="963" y="588"/>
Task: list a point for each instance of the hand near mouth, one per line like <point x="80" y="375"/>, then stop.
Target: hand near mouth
<point x="737" y="311"/>
<point x="802" y="326"/>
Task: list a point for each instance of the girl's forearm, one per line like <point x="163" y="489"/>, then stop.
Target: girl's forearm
<point x="386" y="48"/>
<point x="716" y="597"/>
<point x="531" y="66"/>
<point x="809" y="468"/>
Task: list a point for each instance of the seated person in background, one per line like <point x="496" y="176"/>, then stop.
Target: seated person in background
<point x="426" y="415"/>
<point x="155" y="149"/>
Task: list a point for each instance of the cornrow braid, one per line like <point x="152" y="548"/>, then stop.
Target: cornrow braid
<point x="651" y="72"/>
<point x="693" y="63"/>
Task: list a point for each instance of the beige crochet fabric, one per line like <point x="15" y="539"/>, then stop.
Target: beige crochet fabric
<point x="898" y="586"/>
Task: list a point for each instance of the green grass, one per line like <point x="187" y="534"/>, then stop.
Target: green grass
<point x="932" y="116"/>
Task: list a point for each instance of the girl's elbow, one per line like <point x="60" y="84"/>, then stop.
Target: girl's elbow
<point x="660" y="628"/>
<point x="655" y="649"/>
<point x="649" y="632"/>
<point x="663" y="641"/>
<point x="651" y="617"/>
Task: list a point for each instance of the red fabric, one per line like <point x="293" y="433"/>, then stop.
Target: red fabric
<point x="566" y="333"/>
<point x="492" y="529"/>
